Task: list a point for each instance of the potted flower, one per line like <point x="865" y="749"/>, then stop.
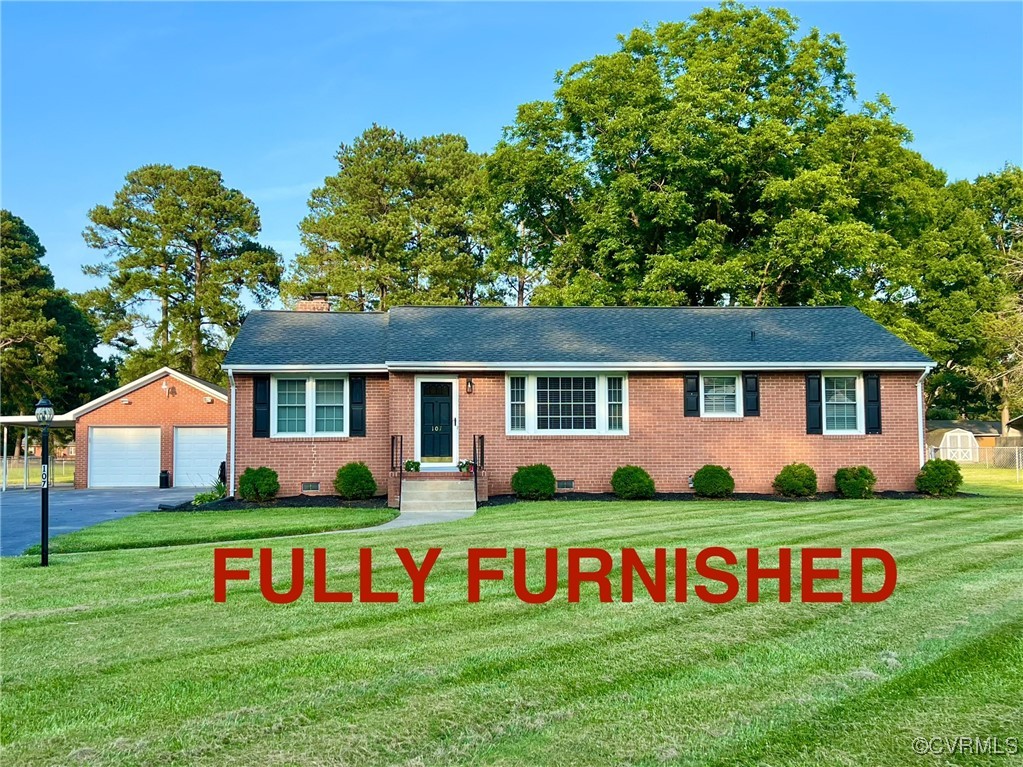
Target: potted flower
<point x="466" y="466"/>
<point x="412" y="466"/>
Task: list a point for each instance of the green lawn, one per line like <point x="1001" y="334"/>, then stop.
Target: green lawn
<point x="63" y="473"/>
<point x="123" y="658"/>
<point x="164" y="528"/>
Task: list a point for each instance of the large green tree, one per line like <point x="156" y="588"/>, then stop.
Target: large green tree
<point x="402" y="221"/>
<point x="181" y="250"/>
<point x="998" y="367"/>
<point x="47" y="343"/>
<point x="724" y="160"/>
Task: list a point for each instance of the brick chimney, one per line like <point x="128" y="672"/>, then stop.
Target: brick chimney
<point x="314" y="302"/>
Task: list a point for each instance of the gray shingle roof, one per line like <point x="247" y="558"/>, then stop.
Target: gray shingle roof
<point x="309" y="338"/>
<point x="605" y="335"/>
<point x="979" y="428"/>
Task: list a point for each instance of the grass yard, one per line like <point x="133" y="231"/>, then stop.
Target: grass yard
<point x="123" y="658"/>
<point x="172" y="528"/>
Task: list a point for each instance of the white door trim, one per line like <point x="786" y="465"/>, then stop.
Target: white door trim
<point x="453" y="380"/>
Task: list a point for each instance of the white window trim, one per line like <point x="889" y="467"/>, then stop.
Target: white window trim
<point x="860" y="404"/>
<point x="310" y="406"/>
<point x="738" y="412"/>
<point x="602" y="403"/>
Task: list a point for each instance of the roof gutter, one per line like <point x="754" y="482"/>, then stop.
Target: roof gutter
<point x="920" y="412"/>
<point x="654" y="366"/>
<point x="231" y="441"/>
<point x="331" y="368"/>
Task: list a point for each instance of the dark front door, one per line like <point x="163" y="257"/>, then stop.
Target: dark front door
<point x="436" y="436"/>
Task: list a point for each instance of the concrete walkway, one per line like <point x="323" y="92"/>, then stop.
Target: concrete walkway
<point x="412" y="519"/>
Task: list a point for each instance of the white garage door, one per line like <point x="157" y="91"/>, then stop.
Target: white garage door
<point x="198" y="452"/>
<point x="128" y="457"/>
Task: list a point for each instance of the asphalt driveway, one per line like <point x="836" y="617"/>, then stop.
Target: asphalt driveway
<point x="74" y="509"/>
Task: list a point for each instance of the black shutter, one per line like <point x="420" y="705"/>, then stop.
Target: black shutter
<point x="260" y="406"/>
<point x="872" y="385"/>
<point x="692" y="394"/>
<point x="750" y="394"/>
<point x="814" y="413"/>
<point x="357" y="391"/>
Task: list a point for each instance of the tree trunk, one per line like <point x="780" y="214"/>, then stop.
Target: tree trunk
<point x="197" y="312"/>
<point x="164" y="310"/>
<point x="521" y="297"/>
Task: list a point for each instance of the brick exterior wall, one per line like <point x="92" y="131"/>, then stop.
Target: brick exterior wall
<point x="664" y="442"/>
<point x="180" y="405"/>
<point x="301" y="459"/>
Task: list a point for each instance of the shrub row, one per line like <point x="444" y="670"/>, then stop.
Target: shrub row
<point x="354" y="481"/>
<point x="938" y="478"/>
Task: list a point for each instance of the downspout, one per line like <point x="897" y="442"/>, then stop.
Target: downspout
<point x="230" y="435"/>
<point x="920" y="413"/>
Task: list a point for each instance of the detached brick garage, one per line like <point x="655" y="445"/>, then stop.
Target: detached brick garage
<point x="164" y="421"/>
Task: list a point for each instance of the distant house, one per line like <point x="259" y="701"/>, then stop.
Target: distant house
<point x="56" y="451"/>
<point x="582" y="389"/>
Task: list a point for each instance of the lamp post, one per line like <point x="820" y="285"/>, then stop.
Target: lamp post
<point x="44" y="414"/>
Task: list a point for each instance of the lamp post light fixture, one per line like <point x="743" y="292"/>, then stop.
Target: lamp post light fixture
<point x="44" y="415"/>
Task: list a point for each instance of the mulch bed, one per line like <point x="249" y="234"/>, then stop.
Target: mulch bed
<point x="893" y="495"/>
<point x="290" y="502"/>
<point x="380" y="502"/>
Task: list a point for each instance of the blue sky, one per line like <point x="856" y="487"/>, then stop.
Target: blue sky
<point x="265" y="92"/>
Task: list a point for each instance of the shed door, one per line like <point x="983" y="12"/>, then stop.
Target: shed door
<point x="124" y="457"/>
<point x="198" y="452"/>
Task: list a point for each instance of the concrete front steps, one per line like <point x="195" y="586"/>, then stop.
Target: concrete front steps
<point x="424" y="495"/>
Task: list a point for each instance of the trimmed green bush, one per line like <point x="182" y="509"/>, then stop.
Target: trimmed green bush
<point x="412" y="466"/>
<point x="855" y="482"/>
<point x="258" y="484"/>
<point x="713" y="481"/>
<point x="354" y="482"/>
<point x="632" y="483"/>
<point x="797" y="480"/>
<point x="939" y="477"/>
<point x="534" y="483"/>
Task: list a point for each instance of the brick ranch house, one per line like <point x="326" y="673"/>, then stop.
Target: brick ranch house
<point x="584" y="390"/>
